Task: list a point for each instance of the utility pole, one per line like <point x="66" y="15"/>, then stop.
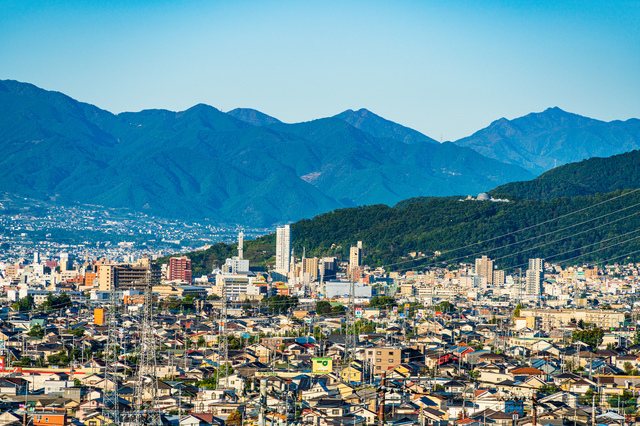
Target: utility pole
<point x="112" y="411"/>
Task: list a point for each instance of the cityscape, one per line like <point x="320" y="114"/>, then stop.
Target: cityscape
<point x="285" y="213"/>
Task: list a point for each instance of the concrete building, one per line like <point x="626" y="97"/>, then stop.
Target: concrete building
<point x="533" y="280"/>
<point x="283" y="249"/>
<point x="484" y="267"/>
<point x="128" y="276"/>
<point x="179" y="269"/>
<point x="382" y="358"/>
<point x="554" y="318"/>
<point x="341" y="288"/>
<point x="310" y="266"/>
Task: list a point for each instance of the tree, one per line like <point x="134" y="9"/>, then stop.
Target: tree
<point x="516" y="311"/>
<point x="56" y="302"/>
<point x="627" y="367"/>
<point x="382" y="302"/>
<point x="592" y="337"/>
<point x="234" y="419"/>
<point x="36" y="331"/>
<point x="25" y="304"/>
<point x="445" y="306"/>
<point x="323" y="308"/>
<point x="279" y="304"/>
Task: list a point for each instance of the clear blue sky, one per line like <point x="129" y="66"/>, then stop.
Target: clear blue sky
<point x="442" y="67"/>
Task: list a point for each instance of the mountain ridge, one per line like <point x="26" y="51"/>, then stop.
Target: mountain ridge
<point x="202" y="162"/>
<point x="541" y="141"/>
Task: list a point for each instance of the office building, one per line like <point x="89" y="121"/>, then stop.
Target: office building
<point x="127" y="276"/>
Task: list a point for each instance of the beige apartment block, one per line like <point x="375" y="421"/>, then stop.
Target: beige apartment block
<point x="381" y="359"/>
<point x="554" y="318"/>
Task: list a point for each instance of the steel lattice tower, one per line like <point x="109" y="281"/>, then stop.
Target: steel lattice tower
<point x="146" y="384"/>
<point x="223" y="342"/>
<point x="110" y="399"/>
<point x="350" y="342"/>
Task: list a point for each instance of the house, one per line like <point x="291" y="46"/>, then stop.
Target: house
<point x="201" y="419"/>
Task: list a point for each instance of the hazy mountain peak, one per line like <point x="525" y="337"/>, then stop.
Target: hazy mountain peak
<point x="379" y="127"/>
<point x="540" y="141"/>
<point x="253" y="117"/>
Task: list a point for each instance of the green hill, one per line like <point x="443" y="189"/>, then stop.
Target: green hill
<point x="446" y="224"/>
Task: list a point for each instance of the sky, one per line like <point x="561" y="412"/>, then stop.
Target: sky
<point x="446" y="68"/>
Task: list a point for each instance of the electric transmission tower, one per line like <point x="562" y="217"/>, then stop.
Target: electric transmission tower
<point x="110" y="399"/>
<point x="223" y="342"/>
<point x="351" y="339"/>
<point x="145" y="401"/>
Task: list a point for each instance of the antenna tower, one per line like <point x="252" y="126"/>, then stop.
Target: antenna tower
<point x="146" y="384"/>
<point x="112" y="411"/>
<point x="223" y="342"/>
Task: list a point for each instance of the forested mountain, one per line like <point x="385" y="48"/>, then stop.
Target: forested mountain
<point x="587" y="177"/>
<point x="205" y="163"/>
<point x="509" y="232"/>
<point x="541" y="141"/>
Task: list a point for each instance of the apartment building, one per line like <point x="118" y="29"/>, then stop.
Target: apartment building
<point x="554" y="318"/>
<point x="383" y="358"/>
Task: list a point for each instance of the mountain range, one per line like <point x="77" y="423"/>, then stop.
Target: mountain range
<point x="541" y="141"/>
<point x="242" y="167"/>
<point x="249" y="168"/>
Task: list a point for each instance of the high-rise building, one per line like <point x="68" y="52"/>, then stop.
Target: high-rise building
<point x="355" y="256"/>
<point x="484" y="267"/>
<point x="179" y="269"/>
<point x="498" y="278"/>
<point x="533" y="280"/>
<point x="36" y="257"/>
<point x="283" y="249"/>
<point x="310" y="266"/>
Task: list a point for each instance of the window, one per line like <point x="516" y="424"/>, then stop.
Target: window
<point x="378" y="360"/>
<point x="378" y="367"/>
<point x="391" y="361"/>
<point x="335" y="411"/>
<point x="390" y="352"/>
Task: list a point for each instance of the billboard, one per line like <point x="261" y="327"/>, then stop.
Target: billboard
<point x="358" y="312"/>
<point x="322" y="365"/>
<point x="98" y="316"/>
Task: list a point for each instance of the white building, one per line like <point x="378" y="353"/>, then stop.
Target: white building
<point x="283" y="249"/>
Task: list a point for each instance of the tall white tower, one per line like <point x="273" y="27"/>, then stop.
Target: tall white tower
<point x="283" y="249"/>
<point x="241" y="245"/>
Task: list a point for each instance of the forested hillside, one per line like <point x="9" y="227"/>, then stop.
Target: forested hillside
<point x="605" y="227"/>
<point x="592" y="176"/>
